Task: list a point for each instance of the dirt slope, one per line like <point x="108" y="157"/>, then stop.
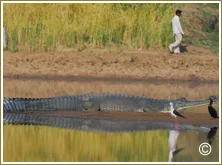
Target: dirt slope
<point x="197" y="64"/>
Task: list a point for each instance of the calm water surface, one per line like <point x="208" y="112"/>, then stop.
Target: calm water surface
<point x="42" y="143"/>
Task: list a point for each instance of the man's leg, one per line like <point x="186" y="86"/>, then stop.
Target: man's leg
<point x="177" y="49"/>
<point x="176" y="44"/>
<point x="171" y="46"/>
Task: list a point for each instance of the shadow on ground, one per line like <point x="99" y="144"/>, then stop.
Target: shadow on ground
<point x="183" y="49"/>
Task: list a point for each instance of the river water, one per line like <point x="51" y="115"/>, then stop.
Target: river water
<point x="42" y="143"/>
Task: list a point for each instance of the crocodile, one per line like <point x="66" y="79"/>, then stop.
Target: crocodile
<point x="96" y="125"/>
<point x="99" y="102"/>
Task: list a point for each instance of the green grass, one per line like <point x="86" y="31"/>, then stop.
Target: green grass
<point x="202" y="34"/>
<point x="49" y="27"/>
<point x="44" y="27"/>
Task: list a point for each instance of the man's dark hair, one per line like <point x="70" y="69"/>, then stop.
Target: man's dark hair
<point x="178" y="12"/>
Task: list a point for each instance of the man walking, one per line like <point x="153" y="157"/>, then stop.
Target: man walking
<point x="177" y="33"/>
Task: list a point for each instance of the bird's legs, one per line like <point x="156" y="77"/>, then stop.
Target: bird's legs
<point x="175" y="129"/>
<point x="176" y="124"/>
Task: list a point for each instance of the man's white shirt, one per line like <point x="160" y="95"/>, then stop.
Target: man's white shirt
<point x="176" y="25"/>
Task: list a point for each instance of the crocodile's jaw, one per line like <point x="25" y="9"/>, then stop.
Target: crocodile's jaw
<point x="192" y="104"/>
<point x="186" y="104"/>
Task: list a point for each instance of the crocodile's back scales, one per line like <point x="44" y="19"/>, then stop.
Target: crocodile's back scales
<point x="115" y="103"/>
<point x="95" y="102"/>
<point x="43" y="104"/>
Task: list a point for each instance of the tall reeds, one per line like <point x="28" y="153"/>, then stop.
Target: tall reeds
<point x="49" y="27"/>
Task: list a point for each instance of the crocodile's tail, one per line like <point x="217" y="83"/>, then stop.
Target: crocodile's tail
<point x="41" y="104"/>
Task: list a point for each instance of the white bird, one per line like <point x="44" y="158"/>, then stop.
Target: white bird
<point x="174" y="113"/>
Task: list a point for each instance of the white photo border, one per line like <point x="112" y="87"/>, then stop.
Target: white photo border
<point x="3" y="2"/>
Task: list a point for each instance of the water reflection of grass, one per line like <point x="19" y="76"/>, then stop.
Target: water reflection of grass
<point x="35" y="143"/>
<point x="38" y="143"/>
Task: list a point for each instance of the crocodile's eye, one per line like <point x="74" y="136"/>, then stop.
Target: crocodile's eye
<point x="183" y="99"/>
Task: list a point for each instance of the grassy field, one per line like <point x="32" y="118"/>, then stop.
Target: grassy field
<point x="53" y="27"/>
<point x="46" y="27"/>
<point x="201" y="22"/>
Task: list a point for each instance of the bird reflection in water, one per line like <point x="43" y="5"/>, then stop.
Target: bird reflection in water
<point x="211" y="134"/>
<point x="173" y="135"/>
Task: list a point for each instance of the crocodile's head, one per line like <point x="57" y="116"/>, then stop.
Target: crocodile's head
<point x="183" y="103"/>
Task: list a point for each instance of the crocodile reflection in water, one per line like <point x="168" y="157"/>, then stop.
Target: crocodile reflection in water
<point x="96" y="125"/>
